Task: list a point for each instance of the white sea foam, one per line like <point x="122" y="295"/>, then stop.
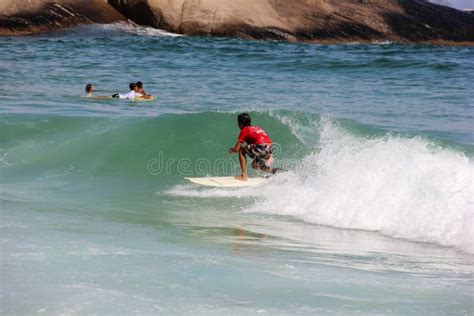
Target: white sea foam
<point x="400" y="187"/>
<point x="207" y="192"/>
<point x="132" y="28"/>
<point x="118" y="28"/>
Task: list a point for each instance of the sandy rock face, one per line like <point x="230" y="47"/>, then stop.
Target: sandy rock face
<point x="305" y="20"/>
<point x="322" y="21"/>
<point x="34" y="16"/>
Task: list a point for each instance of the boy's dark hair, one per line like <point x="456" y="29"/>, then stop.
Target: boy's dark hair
<point x="139" y="84"/>
<point x="88" y="87"/>
<point x="132" y="86"/>
<point x="244" y="119"/>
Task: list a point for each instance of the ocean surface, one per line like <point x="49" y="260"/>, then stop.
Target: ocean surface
<point x="375" y="214"/>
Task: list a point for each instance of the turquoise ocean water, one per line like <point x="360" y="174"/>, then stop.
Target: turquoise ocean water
<point x="374" y="216"/>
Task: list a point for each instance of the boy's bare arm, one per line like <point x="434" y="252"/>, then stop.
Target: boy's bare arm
<point x="236" y="148"/>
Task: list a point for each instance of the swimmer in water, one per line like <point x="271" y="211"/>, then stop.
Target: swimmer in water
<point x="90" y="90"/>
<point x="141" y="90"/>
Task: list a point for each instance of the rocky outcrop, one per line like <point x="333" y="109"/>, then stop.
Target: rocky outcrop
<point x="327" y="21"/>
<point x="29" y="17"/>
<point x="322" y="21"/>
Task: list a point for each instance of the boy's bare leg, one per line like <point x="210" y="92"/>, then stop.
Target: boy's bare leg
<point x="243" y="165"/>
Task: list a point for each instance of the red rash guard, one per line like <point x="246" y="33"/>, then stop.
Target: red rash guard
<point x="254" y="135"/>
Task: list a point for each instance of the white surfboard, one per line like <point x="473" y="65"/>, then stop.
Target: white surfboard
<point x="226" y="182"/>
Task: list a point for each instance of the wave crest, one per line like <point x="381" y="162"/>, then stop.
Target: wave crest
<point x="401" y="187"/>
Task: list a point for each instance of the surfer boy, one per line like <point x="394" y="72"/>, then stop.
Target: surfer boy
<point x="258" y="147"/>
